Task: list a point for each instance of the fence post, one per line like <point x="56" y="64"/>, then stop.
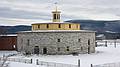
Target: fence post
<point x="91" y="65"/>
<point x="19" y="60"/>
<point x="96" y="43"/>
<point x="37" y="62"/>
<point x="54" y="64"/>
<point x="31" y="61"/>
<point x="47" y="64"/>
<point x="115" y="43"/>
<point x="78" y="62"/>
<point x="106" y="43"/>
<point x="25" y="61"/>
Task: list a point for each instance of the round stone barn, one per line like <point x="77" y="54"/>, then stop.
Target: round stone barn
<point x="56" y="38"/>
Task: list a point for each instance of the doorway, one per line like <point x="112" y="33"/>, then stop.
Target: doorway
<point x="89" y="46"/>
<point x="44" y="50"/>
<point x="36" y="50"/>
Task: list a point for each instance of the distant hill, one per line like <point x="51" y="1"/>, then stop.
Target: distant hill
<point x="99" y="26"/>
<point x="14" y="29"/>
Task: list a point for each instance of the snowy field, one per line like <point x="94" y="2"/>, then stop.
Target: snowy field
<point x="102" y="55"/>
<point x="7" y="53"/>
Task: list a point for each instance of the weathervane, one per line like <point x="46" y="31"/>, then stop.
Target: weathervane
<point x="56" y="5"/>
<point x="56" y="13"/>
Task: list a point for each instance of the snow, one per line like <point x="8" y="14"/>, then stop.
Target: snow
<point x="101" y="35"/>
<point x="5" y="53"/>
<point x="9" y="35"/>
<point x="102" y="55"/>
<point x="57" y="31"/>
<point x="16" y="64"/>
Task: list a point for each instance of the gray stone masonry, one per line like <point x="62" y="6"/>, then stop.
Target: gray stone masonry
<point x="57" y="42"/>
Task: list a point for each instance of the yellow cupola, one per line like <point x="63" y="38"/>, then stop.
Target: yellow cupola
<point x="56" y="15"/>
<point x="55" y="24"/>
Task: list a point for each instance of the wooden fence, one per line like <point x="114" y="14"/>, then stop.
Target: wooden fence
<point x="107" y="65"/>
<point x="53" y="64"/>
<point x="38" y="62"/>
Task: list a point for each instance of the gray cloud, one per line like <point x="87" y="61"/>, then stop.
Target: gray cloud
<point x="9" y="13"/>
<point x="37" y="10"/>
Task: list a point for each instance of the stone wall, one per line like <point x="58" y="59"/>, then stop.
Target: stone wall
<point x="57" y="42"/>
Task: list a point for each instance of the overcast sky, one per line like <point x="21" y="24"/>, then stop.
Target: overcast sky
<point x="17" y="12"/>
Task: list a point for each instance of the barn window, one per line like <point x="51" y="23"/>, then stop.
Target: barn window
<point x="81" y="48"/>
<point x="54" y="16"/>
<point x="59" y="26"/>
<point x="68" y="48"/>
<point x="28" y="42"/>
<point x="57" y="16"/>
<point x="38" y="26"/>
<point x="58" y="40"/>
<point x="89" y="42"/>
<point x="58" y="49"/>
<point x="79" y="40"/>
<point x="47" y="25"/>
<point x="69" y="25"/>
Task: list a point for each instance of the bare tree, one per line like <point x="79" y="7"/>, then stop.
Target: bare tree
<point x="3" y="61"/>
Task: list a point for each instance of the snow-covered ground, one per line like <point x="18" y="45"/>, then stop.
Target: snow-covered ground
<point x="7" y="53"/>
<point x="16" y="64"/>
<point x="102" y="55"/>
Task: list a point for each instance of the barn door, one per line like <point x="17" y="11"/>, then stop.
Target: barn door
<point x="44" y="50"/>
<point x="36" y="50"/>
